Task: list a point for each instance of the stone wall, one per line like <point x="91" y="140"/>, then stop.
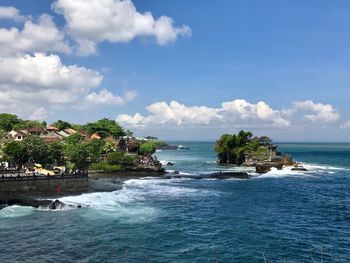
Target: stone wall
<point x="48" y="185"/>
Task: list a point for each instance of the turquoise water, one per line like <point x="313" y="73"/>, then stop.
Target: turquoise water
<point x="282" y="216"/>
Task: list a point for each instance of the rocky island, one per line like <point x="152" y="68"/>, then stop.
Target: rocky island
<point x="243" y="149"/>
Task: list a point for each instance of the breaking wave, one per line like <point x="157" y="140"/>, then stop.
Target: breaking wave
<point x="131" y="203"/>
<point x="15" y="211"/>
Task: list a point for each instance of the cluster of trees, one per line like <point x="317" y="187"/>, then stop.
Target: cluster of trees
<point x="74" y="151"/>
<point x="233" y="148"/>
<point x="10" y="122"/>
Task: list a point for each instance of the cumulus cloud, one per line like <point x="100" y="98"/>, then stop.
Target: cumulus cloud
<point x="238" y="113"/>
<point x="105" y="97"/>
<point x="33" y="85"/>
<point x="316" y="112"/>
<point x="42" y="36"/>
<point x="11" y="13"/>
<point x="94" y="21"/>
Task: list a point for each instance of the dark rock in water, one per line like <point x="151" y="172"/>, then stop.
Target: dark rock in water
<point x="266" y="167"/>
<point x="222" y="175"/>
<point x="23" y="202"/>
<point x="57" y="204"/>
<point x="228" y="175"/>
<point x="299" y="169"/>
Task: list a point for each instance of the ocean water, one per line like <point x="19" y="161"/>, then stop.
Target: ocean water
<point x="281" y="216"/>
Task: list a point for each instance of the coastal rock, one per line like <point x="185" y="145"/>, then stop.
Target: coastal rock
<point x="266" y="167"/>
<point x="57" y="204"/>
<point x="299" y="169"/>
<point x="220" y="175"/>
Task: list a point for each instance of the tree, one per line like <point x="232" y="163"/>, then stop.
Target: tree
<point x="234" y="148"/>
<point x="7" y="121"/>
<point x="14" y="153"/>
<point x="56" y="155"/>
<point x="79" y="156"/>
<point x="105" y="127"/>
<point x="36" y="149"/>
<point x="62" y="125"/>
<point x="24" y="124"/>
<point x="95" y="149"/>
<point x="74" y="139"/>
<point x="147" y="147"/>
<point x="119" y="158"/>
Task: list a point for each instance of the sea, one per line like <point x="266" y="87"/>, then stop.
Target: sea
<point x="280" y="216"/>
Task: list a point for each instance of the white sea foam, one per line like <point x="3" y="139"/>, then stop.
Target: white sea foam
<point x="131" y="202"/>
<point x="285" y="172"/>
<point x="311" y="170"/>
<point x="165" y="162"/>
<point x="15" y="211"/>
<point x="318" y="167"/>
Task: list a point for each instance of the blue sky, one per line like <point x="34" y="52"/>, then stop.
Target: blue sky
<point x="278" y="52"/>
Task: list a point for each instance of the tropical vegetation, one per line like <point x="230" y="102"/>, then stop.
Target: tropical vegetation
<point x="236" y="148"/>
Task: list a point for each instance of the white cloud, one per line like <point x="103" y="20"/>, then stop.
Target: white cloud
<point x="31" y="84"/>
<point x="316" y="112"/>
<point x="345" y="125"/>
<point x="234" y="113"/>
<point x="105" y="97"/>
<point x="11" y="13"/>
<point x="238" y="113"/>
<point x="260" y="112"/>
<point x="42" y="36"/>
<point x="94" y="21"/>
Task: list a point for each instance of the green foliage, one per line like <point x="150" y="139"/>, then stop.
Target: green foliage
<point x="14" y="153"/>
<point x="37" y="150"/>
<point x="79" y="128"/>
<point x="62" y="125"/>
<point x="74" y="139"/>
<point x="106" y="167"/>
<point x="119" y="158"/>
<point x="160" y="143"/>
<point x="56" y="155"/>
<point x="78" y="155"/>
<point x="2" y="139"/>
<point x="109" y="147"/>
<point x="148" y="147"/>
<point x="7" y="121"/>
<point x="105" y="127"/>
<point x="95" y="149"/>
<point x="25" y="124"/>
<point x="234" y="148"/>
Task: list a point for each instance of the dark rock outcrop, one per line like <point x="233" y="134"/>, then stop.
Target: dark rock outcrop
<point x="220" y="175"/>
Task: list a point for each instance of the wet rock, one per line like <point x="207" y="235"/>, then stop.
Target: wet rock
<point x="57" y="204"/>
<point x="299" y="169"/>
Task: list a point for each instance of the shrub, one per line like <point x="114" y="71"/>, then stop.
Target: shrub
<point x="108" y="168"/>
<point x="148" y="147"/>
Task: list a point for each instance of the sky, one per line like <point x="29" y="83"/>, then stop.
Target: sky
<point x="181" y="69"/>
